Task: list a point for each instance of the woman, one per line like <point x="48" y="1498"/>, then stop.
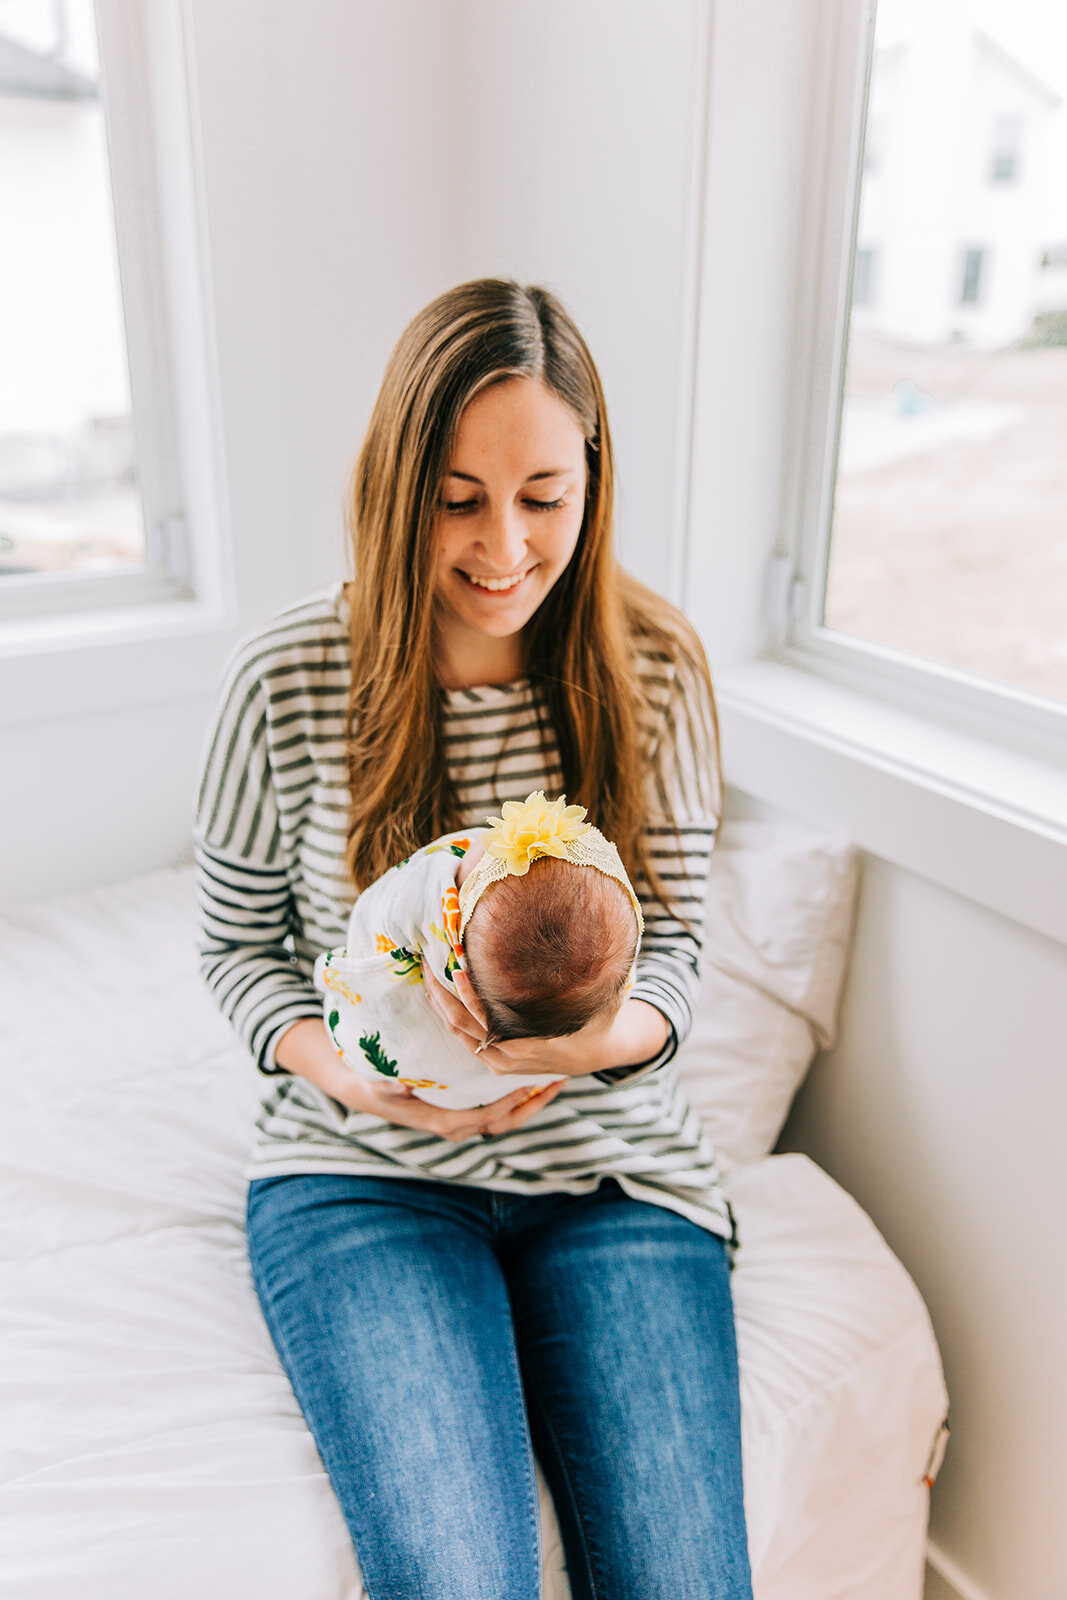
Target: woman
<point x="447" y="1289"/>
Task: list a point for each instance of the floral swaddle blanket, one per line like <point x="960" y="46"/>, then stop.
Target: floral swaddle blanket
<point x="376" y="1013"/>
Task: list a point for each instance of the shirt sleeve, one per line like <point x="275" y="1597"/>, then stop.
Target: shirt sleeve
<point x="243" y="889"/>
<point x="683" y="807"/>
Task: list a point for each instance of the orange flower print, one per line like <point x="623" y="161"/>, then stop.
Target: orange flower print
<point x="450" y="910"/>
<point x="458" y="847"/>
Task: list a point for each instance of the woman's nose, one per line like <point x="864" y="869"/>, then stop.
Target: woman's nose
<point x="504" y="540"/>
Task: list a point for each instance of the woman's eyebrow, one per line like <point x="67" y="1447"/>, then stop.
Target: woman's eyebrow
<point x="549" y="472"/>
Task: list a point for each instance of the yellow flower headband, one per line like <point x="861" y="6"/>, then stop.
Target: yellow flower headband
<point x="539" y="827"/>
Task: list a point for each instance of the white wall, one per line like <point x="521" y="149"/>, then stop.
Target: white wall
<point x="576" y="141"/>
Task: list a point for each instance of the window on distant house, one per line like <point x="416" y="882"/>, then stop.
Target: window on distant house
<point x="971" y="278"/>
<point x="87" y="488"/>
<point x="937" y="541"/>
<point x="1005" y="148"/>
<point x="863" y="278"/>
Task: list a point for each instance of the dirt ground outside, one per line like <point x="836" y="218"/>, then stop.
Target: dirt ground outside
<point x="950" y="522"/>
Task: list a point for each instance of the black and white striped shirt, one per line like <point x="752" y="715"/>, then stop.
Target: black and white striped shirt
<point x="270" y="841"/>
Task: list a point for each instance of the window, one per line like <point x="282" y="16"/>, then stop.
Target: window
<point x="971" y="284"/>
<point x="68" y="491"/>
<point x="1005" y="148"/>
<point x="91" y="501"/>
<point x="934" y="545"/>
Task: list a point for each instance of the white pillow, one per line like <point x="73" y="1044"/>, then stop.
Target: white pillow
<point x="777" y="937"/>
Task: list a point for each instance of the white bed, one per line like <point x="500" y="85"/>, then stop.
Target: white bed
<point x="150" y="1445"/>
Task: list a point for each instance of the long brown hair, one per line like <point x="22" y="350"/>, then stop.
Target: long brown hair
<point x="579" y="646"/>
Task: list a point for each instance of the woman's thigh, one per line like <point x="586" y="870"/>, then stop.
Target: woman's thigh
<point x="390" y="1313"/>
<point x="626" y="1338"/>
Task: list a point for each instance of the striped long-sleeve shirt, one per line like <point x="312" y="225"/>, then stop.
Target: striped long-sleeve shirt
<point x="270" y="841"/>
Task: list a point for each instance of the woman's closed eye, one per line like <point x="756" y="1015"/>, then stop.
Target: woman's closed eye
<point x="460" y="508"/>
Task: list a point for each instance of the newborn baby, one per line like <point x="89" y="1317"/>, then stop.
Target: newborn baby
<point x="539" y="911"/>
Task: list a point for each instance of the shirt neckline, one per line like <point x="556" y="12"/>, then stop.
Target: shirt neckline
<point x="486" y="693"/>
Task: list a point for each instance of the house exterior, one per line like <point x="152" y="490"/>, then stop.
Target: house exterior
<point x="951" y="232"/>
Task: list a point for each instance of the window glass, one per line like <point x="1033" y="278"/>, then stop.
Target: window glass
<point x="68" y="492"/>
<point x="949" y="531"/>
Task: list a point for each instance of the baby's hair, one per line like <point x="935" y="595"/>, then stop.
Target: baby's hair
<point x="550" y="951"/>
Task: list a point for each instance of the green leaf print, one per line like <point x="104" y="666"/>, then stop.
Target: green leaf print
<point x="371" y="1045"/>
<point x="407" y="964"/>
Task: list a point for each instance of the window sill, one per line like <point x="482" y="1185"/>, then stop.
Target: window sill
<point x="984" y="822"/>
<point x="89" y="663"/>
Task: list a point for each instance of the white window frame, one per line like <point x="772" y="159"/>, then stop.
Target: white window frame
<point x="1000" y="711"/>
<point x="65" y="640"/>
<point x="958" y="779"/>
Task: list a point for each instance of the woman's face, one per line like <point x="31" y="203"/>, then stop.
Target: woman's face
<point x="512" y="508"/>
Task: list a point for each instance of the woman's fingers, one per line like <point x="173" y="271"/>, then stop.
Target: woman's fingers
<point x="468" y="997"/>
<point x="502" y="1116"/>
<point x="530" y="1103"/>
<point x="456" y="1016"/>
<point x="509" y="1113"/>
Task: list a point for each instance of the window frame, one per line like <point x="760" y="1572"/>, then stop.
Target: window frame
<point x="145" y="89"/>
<point x="999" y="713"/>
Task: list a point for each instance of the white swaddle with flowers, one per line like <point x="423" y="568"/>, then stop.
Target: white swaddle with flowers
<point x="376" y="1012"/>
<point x="415" y="916"/>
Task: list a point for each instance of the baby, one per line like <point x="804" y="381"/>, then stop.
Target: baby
<point x="538" y="910"/>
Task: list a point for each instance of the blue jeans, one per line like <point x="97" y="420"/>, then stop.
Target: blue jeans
<point x="435" y="1335"/>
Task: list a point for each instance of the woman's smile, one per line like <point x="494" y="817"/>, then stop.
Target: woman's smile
<point x="496" y="585"/>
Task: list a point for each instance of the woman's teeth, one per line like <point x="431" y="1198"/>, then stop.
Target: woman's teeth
<point x="496" y="584"/>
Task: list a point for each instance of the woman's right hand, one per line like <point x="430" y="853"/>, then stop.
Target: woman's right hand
<point x="307" y="1050"/>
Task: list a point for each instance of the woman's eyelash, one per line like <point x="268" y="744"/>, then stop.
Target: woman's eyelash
<point x="458" y="507"/>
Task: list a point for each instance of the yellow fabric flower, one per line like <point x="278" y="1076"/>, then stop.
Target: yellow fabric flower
<point x="536" y="827"/>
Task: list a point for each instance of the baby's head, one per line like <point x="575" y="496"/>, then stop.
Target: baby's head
<point x="550" y="951"/>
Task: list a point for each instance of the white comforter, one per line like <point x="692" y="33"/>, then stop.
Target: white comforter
<point x="150" y="1446"/>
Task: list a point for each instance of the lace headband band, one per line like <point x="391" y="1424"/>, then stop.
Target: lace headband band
<point x="538" y="827"/>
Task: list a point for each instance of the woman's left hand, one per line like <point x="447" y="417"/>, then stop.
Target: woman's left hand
<point x="636" y="1033"/>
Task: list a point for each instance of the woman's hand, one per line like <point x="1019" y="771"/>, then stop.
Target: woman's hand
<point x="306" y="1050"/>
<point x="398" y="1103"/>
<point x="635" y="1034"/>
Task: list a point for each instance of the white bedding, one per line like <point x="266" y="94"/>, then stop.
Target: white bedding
<point x="150" y="1445"/>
